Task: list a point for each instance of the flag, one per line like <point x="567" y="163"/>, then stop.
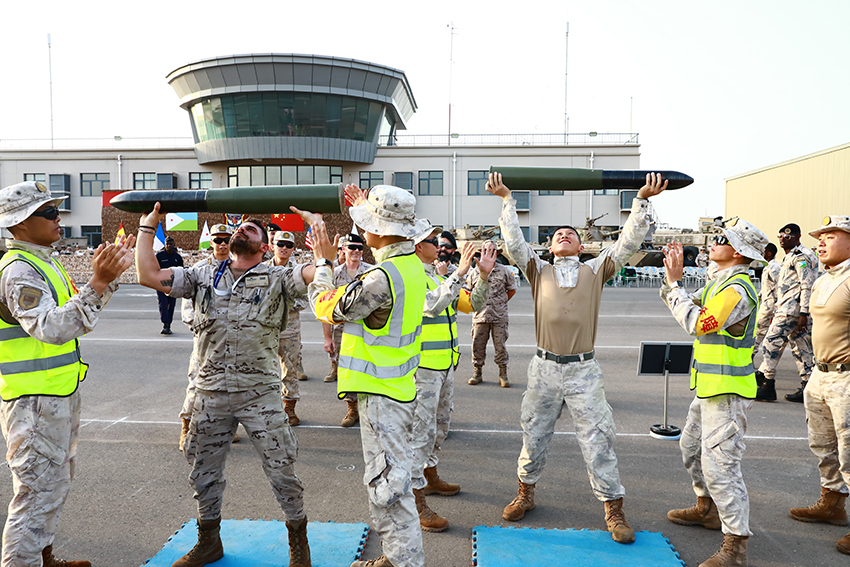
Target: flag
<point x="233" y="221"/>
<point x="120" y="234"/>
<point x="205" y="243"/>
<point x="181" y="221"/>
<point x="159" y="239"/>
<point x="308" y="241"/>
<point x="354" y="228"/>
<point x="290" y="222"/>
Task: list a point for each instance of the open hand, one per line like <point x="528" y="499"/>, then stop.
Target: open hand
<point x="674" y="262"/>
<point x="496" y="187"/>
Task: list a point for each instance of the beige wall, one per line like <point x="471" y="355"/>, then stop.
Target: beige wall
<point x="803" y="191"/>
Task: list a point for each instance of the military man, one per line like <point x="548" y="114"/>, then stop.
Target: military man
<point x="42" y="314"/>
<point x="722" y="317"/>
<point x="492" y="320"/>
<point x="240" y="308"/>
<point x="167" y="257"/>
<point x="567" y="298"/>
<point x="767" y="300"/>
<point x="827" y="410"/>
<point x="702" y="258"/>
<point x="435" y="376"/>
<point x="790" y="322"/>
<point x="379" y="355"/>
<point x="348" y="271"/>
<point x="446" y="254"/>
<point x="290" y="338"/>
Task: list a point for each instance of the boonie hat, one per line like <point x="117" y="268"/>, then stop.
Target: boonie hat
<point x="284" y="235"/>
<point x="746" y="239"/>
<point x="389" y="211"/>
<point x="831" y="223"/>
<point x="434" y="230"/>
<point x="220" y="229"/>
<point x="18" y="202"/>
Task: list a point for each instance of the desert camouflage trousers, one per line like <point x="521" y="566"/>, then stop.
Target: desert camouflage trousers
<point x="189" y="398"/>
<point x="712" y="447"/>
<point x="290" y="357"/>
<point x="215" y="417"/>
<point x="762" y="325"/>
<point x="41" y="436"/>
<point x="579" y="386"/>
<point x="783" y="329"/>
<point x="386" y="427"/>
<point x="481" y="334"/>
<point x="827" y="401"/>
<point x="431" y="420"/>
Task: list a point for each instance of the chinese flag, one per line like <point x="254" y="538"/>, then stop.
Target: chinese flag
<point x="290" y="222"/>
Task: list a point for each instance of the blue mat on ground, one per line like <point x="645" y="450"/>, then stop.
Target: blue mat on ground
<point x="259" y="543"/>
<point x="519" y="547"/>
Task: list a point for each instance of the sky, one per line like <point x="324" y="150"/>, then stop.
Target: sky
<point x="714" y="89"/>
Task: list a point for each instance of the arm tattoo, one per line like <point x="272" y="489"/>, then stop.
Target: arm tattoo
<point x="169" y="282"/>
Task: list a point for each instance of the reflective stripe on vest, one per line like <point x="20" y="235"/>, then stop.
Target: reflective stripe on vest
<point x="439" y="336"/>
<point x="28" y="366"/>
<point x="723" y="363"/>
<point x="382" y="361"/>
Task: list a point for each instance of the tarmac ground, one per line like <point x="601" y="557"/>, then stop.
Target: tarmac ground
<point x="131" y="491"/>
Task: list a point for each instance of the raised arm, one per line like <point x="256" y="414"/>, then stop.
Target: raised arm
<point x="148" y="271"/>
<point x="517" y="248"/>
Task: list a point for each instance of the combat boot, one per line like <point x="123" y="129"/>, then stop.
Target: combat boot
<point x="429" y="520"/>
<point x="381" y="561"/>
<point x="798" y="395"/>
<point x="208" y="549"/>
<point x="767" y="391"/>
<point x="166" y="330"/>
<point x="331" y="377"/>
<point x="733" y="553"/>
<point x="353" y="416"/>
<point x="183" y="431"/>
<point x="289" y="408"/>
<point x="703" y="513"/>
<point x="300" y="373"/>
<point x="759" y="378"/>
<point x="299" y="549"/>
<point x="829" y="509"/>
<point x="621" y="531"/>
<point x="843" y="545"/>
<point x="503" y="377"/>
<point x="521" y="504"/>
<point x="48" y="560"/>
<point x="476" y="376"/>
<point x="436" y="485"/>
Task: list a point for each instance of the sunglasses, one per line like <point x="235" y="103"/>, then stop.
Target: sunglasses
<point x="721" y="240"/>
<point x="51" y="213"/>
<point x="447" y="246"/>
<point x="432" y="241"/>
<point x="219" y="240"/>
<point x="282" y="244"/>
<point x="355" y="246"/>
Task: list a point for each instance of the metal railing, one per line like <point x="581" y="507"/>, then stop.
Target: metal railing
<point x="117" y="143"/>
<point x="584" y="139"/>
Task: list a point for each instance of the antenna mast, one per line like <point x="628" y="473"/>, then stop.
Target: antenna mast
<point x="50" y="71"/>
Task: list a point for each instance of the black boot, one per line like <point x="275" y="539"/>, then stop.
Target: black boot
<point x="767" y="391"/>
<point x="166" y="330"/>
<point x="759" y="379"/>
<point x="798" y="395"/>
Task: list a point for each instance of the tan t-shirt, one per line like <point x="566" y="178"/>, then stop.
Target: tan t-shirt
<point x="830" y="305"/>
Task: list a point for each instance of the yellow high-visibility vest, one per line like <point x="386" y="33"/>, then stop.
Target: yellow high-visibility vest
<point x="383" y="361"/>
<point x="29" y="367"/>
<point x="723" y="363"/>
<point x="439" y="336"/>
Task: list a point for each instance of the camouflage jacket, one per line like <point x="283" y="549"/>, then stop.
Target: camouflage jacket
<point x="448" y="290"/>
<point x="797" y="275"/>
<point x="767" y="295"/>
<point x="501" y="282"/>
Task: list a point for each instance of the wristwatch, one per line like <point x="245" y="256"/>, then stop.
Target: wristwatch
<point x="324" y="262"/>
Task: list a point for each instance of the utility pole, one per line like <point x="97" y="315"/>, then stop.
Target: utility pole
<point x="50" y="71"/>
<point x="566" y="62"/>
<point x="451" y="71"/>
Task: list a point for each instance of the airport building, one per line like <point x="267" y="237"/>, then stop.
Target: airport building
<point x="284" y="119"/>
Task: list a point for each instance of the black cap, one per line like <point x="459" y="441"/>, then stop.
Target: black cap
<point x="790" y="228"/>
<point x="450" y="237"/>
<point x="355" y="238"/>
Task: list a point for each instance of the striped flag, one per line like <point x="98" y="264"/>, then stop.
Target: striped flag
<point x="120" y="234"/>
<point x="204" y="242"/>
<point x="159" y="239"/>
<point x="308" y="240"/>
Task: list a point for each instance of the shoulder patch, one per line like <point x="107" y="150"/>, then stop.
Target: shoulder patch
<point x="29" y="298"/>
<point x="801" y="264"/>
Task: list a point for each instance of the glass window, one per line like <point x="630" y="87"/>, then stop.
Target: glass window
<point x="545" y="193"/>
<point x="430" y="182"/>
<point x="336" y="174"/>
<point x="244" y="176"/>
<point x="288" y="175"/>
<point x="273" y="175"/>
<point x="201" y="180"/>
<point x="93" y="233"/>
<point x="525" y="232"/>
<point x="476" y="181"/>
<point x="144" y="181"/>
<point x="523" y="200"/>
<point x="371" y="178"/>
<point x="606" y="192"/>
<point x="322" y="174"/>
<point x="93" y="184"/>
<point x="258" y="175"/>
<point x="40" y="177"/>
<point x="60" y="185"/>
<point x="305" y="175"/>
<point x="232" y="177"/>
<point x="544" y="233"/>
<point x="403" y="179"/>
<point x="626" y="198"/>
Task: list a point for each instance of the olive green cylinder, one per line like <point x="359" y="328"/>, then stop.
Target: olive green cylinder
<point x="549" y="178"/>
<point x="277" y="199"/>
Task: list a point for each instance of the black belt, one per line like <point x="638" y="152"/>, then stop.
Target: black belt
<point x="841" y="367"/>
<point x="564" y="358"/>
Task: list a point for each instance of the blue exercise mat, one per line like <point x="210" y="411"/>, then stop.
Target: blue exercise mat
<point x="520" y="547"/>
<point x="259" y="543"/>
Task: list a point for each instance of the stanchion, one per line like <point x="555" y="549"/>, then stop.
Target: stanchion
<point x="660" y="358"/>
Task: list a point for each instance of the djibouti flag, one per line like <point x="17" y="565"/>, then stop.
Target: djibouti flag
<point x="181" y="221"/>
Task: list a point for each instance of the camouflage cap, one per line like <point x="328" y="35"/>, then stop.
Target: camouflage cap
<point x="220" y="229"/>
<point x="831" y="223"/>
<point x="19" y="202"/>
<point x="432" y="231"/>
<point x="746" y="239"/>
<point x="284" y="235"/>
<point x="389" y="211"/>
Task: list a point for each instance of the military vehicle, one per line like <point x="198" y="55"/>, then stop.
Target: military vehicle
<point x="480" y="234"/>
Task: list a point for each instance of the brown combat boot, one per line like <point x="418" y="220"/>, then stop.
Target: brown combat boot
<point x="429" y="520"/>
<point x="289" y="408"/>
<point x="331" y="377"/>
<point x="733" y="553"/>
<point x="183" y="431"/>
<point x="703" y="513"/>
<point x="436" y="485"/>
<point x="353" y="416"/>
<point x="299" y="374"/>
<point x="381" y="561"/>
<point x="503" y="377"/>
<point x="208" y="549"/>
<point x="476" y="376"/>
<point x="621" y="531"/>
<point x="48" y="560"/>
<point x="299" y="549"/>
<point x="829" y="509"/>
<point x="843" y="545"/>
<point x="523" y="502"/>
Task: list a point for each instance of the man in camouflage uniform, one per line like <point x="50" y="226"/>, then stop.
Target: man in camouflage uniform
<point x="722" y="318"/>
<point x="767" y="299"/>
<point x="240" y="308"/>
<point x="567" y="298"/>
<point x="790" y="322"/>
<point x="386" y="413"/>
<point x="492" y="320"/>
<point x="41" y="311"/>
<point x="350" y="270"/>
<point x="435" y="376"/>
<point x="827" y="410"/>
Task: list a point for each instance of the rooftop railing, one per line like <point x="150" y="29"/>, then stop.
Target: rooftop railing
<point x="583" y="139"/>
<point x="116" y="143"/>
